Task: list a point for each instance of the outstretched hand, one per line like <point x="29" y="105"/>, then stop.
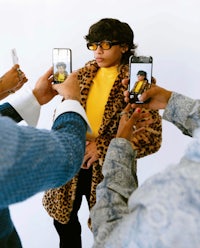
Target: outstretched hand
<point x="131" y="124"/>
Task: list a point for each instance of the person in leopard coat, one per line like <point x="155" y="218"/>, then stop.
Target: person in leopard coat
<point x="112" y="43"/>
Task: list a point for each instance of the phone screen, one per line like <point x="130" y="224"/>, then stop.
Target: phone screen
<point x="140" y="76"/>
<point x="62" y="64"/>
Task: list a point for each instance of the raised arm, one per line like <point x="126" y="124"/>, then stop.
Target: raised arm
<point x="180" y="110"/>
<point x="34" y="160"/>
<point x="119" y="181"/>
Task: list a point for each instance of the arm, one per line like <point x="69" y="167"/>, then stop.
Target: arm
<point x="23" y="105"/>
<point x="113" y="192"/>
<point x="120" y="178"/>
<point x="26" y="103"/>
<point x="183" y="112"/>
<point x="34" y="160"/>
<point x="30" y="157"/>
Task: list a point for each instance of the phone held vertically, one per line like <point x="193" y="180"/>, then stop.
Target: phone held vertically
<point x="62" y="64"/>
<point x="140" y="76"/>
<point x="14" y="56"/>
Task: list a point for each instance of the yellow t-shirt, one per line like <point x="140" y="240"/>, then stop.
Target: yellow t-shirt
<point x="98" y="97"/>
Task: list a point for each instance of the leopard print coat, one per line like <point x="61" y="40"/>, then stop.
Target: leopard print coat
<point x="59" y="202"/>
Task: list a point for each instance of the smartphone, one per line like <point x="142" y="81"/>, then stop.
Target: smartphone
<point x="14" y="56"/>
<point x="62" y="64"/>
<point x="140" y="73"/>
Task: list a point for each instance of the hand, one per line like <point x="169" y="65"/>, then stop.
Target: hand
<point x="134" y="123"/>
<point x="12" y="81"/>
<point x="70" y="88"/>
<point x="43" y="90"/>
<point x="91" y="154"/>
<point x="157" y="98"/>
<point x="127" y="94"/>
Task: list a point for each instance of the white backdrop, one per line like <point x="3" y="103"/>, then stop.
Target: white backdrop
<point x="166" y="30"/>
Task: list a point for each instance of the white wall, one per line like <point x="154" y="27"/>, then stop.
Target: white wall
<point x="166" y="30"/>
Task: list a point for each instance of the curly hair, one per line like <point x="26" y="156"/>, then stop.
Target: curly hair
<point x="113" y="30"/>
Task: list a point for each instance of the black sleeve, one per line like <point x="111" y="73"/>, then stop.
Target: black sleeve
<point x="7" y="110"/>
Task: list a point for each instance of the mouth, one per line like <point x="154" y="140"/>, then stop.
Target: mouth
<point x="98" y="60"/>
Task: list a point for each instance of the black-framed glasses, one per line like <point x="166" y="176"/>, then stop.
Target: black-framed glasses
<point x="105" y="45"/>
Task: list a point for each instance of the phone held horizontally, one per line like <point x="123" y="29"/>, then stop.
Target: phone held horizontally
<point x="140" y="76"/>
<point x="62" y="64"/>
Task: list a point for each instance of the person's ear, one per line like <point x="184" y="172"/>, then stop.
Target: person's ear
<point x="124" y="48"/>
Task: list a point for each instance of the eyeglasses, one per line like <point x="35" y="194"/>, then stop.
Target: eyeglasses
<point x="105" y="45"/>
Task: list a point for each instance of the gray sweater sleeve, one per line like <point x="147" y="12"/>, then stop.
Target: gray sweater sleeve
<point x="33" y="160"/>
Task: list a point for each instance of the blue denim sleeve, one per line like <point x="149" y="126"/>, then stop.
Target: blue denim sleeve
<point x="183" y="112"/>
<point x="153" y="214"/>
<point x="113" y="192"/>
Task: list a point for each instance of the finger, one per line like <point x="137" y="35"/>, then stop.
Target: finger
<point x="15" y="67"/>
<point x="125" y="81"/>
<point x="153" y="80"/>
<point x="87" y="142"/>
<point x="84" y="166"/>
<point x="135" y="116"/>
<point x="126" y="110"/>
<point x="126" y="96"/>
<point x="138" y="130"/>
<point x="128" y="107"/>
<point x="51" y="79"/>
<point x="86" y="157"/>
<point x="126" y="93"/>
<point x="147" y="94"/>
<point x="92" y="160"/>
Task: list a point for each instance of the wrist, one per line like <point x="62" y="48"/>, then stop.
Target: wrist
<point x="168" y="96"/>
<point x="36" y="95"/>
<point x="70" y="97"/>
<point x="2" y="90"/>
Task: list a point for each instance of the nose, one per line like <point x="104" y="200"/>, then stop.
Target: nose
<point x="99" y="49"/>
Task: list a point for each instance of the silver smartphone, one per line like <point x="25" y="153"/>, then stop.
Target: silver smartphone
<point x="15" y="59"/>
<point x="62" y="64"/>
<point x="140" y="70"/>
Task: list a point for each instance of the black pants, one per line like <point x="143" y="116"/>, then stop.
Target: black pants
<point x="12" y="241"/>
<point x="70" y="233"/>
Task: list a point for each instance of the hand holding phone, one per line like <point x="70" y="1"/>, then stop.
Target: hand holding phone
<point x="62" y="64"/>
<point x="140" y="76"/>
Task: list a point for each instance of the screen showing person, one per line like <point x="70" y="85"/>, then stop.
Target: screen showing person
<point x="61" y="73"/>
<point x="61" y="64"/>
<point x="140" y="76"/>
